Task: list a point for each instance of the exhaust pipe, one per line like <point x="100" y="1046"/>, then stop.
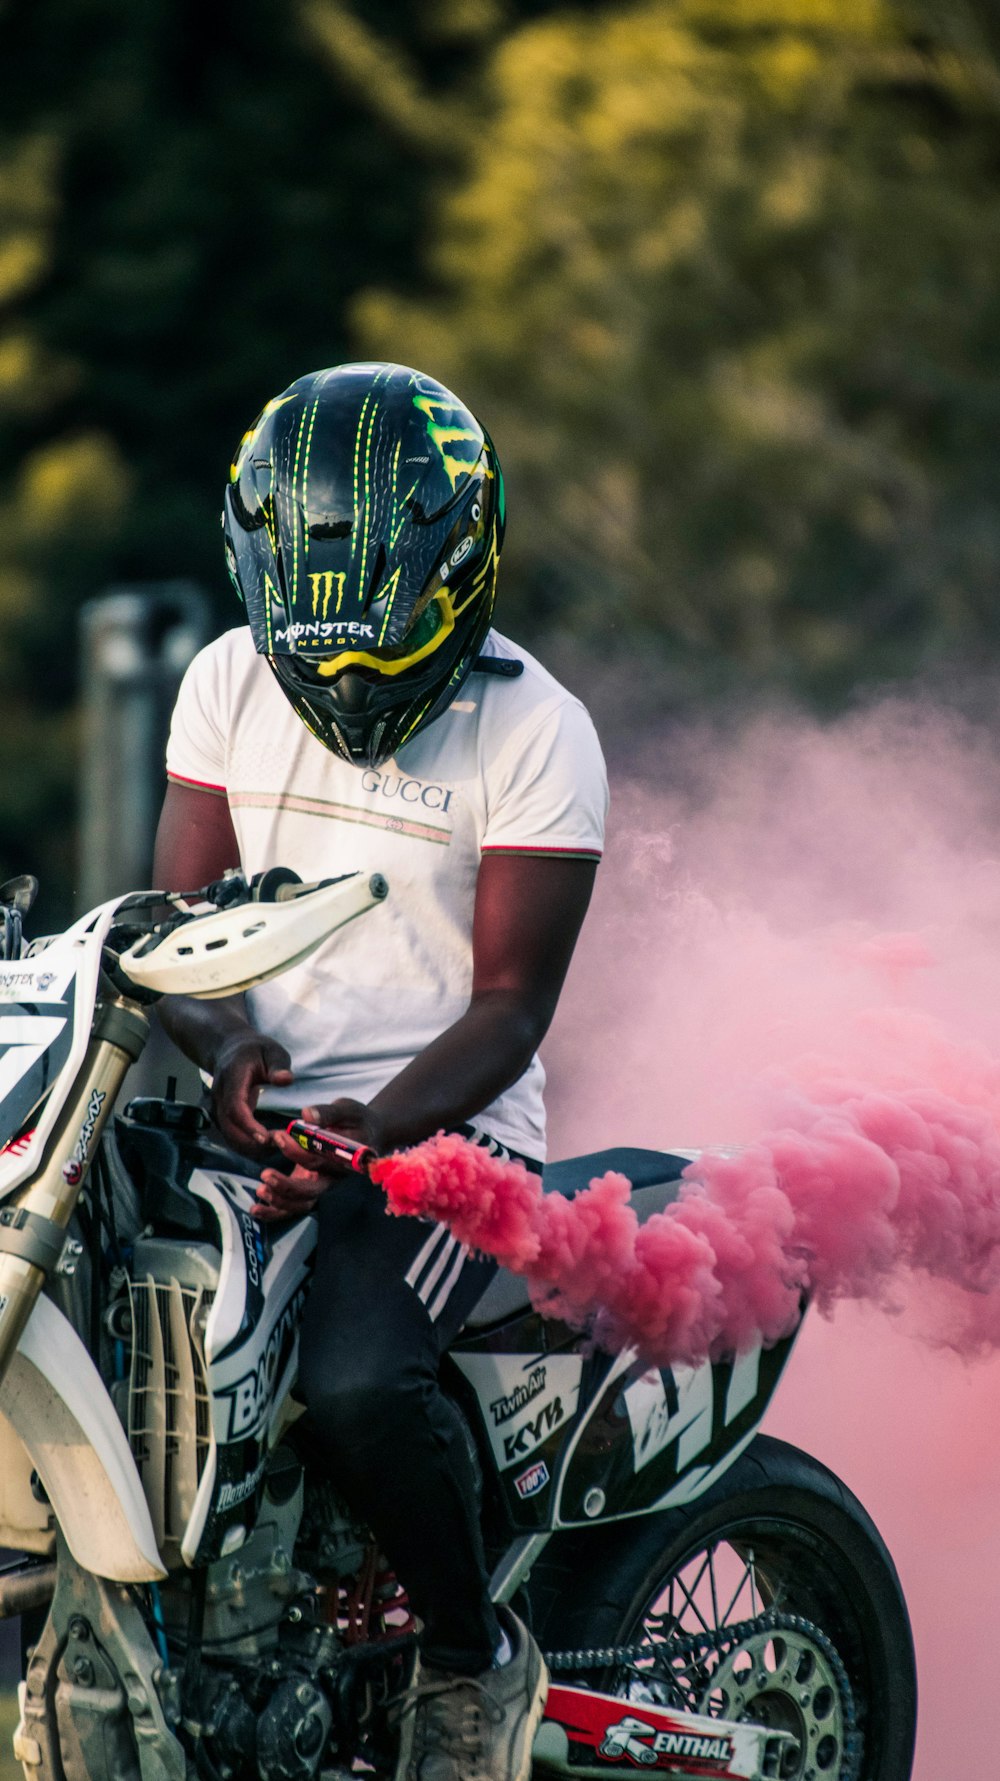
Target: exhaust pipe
<point x="26" y="1587"/>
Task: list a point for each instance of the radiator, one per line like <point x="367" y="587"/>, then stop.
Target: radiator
<point x="169" y="1417"/>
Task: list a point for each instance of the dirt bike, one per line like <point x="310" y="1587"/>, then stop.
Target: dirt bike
<point x="198" y="1603"/>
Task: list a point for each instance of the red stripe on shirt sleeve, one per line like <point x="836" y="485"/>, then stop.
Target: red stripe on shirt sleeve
<point x="578" y="853"/>
<point x="201" y="785"/>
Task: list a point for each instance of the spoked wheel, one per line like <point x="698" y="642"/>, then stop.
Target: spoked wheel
<point x="772" y="1599"/>
<point x="718" y="1640"/>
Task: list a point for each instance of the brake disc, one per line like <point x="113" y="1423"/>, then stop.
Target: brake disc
<point x="784" y="1680"/>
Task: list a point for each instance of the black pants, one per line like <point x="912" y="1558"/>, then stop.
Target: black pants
<point x="387" y="1297"/>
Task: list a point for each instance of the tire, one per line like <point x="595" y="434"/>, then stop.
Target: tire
<point x="803" y="1545"/>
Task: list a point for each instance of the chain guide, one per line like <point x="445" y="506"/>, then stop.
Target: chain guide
<point x="726" y="1643"/>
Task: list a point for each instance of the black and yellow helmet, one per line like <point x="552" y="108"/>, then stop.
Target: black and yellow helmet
<point x="363" y="523"/>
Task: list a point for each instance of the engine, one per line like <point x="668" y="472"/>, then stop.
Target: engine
<point x="265" y="1646"/>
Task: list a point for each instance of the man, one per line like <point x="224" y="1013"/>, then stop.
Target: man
<point x="369" y="719"/>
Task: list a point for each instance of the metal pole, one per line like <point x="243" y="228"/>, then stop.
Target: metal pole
<point x="137" y="642"/>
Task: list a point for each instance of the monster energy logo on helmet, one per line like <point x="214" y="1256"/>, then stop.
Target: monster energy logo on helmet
<point x="363" y="520"/>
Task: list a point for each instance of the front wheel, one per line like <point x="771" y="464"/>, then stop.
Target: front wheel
<point x="771" y="1599"/>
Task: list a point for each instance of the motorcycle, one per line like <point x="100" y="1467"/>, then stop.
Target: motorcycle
<point x="198" y="1603"/>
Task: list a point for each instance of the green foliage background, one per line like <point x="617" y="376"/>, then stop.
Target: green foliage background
<point x="721" y="276"/>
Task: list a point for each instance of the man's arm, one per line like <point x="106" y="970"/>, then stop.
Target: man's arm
<point x="528" y="914"/>
<point x="529" y="911"/>
<point x="196" y="843"/>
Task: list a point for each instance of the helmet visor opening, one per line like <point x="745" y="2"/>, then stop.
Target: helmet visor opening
<point x="426" y="635"/>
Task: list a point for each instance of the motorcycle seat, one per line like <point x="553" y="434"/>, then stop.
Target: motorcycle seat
<point x="655" y="1177"/>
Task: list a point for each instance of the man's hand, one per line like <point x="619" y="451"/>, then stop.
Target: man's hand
<point x="353" y="1119"/>
<point x="245" y="1063"/>
<point x="290" y="1196"/>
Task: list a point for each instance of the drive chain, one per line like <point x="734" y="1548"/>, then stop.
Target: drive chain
<point x="722" y="1642"/>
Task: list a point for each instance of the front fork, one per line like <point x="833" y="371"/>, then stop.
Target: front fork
<point x="33" y="1222"/>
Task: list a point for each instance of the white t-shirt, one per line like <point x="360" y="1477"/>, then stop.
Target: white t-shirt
<point x="514" y="765"/>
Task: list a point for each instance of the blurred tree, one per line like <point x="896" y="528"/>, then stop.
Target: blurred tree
<point x="722" y="277"/>
<point x="190" y="193"/>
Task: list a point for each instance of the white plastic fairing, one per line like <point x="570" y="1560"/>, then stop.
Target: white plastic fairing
<point x="59" y="982"/>
<point x="218" y="955"/>
<point x="55" y="1400"/>
<point x="250" y="1349"/>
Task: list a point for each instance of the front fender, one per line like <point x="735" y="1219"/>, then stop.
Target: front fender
<point x="57" y="1403"/>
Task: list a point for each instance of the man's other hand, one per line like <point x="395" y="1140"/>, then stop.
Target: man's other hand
<point x="350" y="1119"/>
<point x="292" y="1195"/>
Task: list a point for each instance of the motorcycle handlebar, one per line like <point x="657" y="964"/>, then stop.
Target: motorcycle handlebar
<point x="279" y="884"/>
<point x="288" y="891"/>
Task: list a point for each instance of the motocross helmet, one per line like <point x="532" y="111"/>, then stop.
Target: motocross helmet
<point x="363" y="522"/>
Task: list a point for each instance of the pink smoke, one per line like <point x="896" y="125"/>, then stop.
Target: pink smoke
<point x="586" y="1260"/>
<point x="734" y="955"/>
<point x="858" y="1184"/>
<point x="794" y="951"/>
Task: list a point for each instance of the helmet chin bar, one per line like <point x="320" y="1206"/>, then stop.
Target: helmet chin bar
<point x="367" y="752"/>
<point x="358" y="730"/>
<point x="386" y="713"/>
<point x="362" y="748"/>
